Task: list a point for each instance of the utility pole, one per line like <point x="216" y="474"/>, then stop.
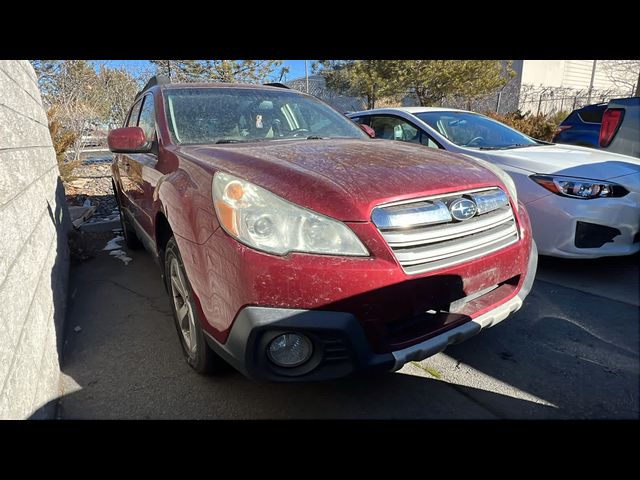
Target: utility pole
<point x="306" y="74"/>
<point x="593" y="74"/>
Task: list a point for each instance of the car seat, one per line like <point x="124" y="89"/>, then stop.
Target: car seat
<point x="385" y="131"/>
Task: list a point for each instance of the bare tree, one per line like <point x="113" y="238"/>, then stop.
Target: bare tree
<point x="120" y="87"/>
<point x="74" y="88"/>
<point x="624" y="74"/>
<point x="87" y="95"/>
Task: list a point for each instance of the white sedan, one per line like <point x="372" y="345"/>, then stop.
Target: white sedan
<point x="583" y="203"/>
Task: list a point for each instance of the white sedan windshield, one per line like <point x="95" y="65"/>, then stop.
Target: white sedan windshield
<point x="475" y="131"/>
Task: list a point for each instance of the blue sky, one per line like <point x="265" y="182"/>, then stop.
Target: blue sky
<point x="296" y="67"/>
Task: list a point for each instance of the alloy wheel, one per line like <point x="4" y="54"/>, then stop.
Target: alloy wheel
<point x="182" y="304"/>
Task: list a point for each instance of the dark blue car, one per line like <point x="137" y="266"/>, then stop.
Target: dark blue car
<point x="581" y="127"/>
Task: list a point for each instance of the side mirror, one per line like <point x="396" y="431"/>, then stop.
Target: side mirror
<point x="368" y="130"/>
<point x="128" y="140"/>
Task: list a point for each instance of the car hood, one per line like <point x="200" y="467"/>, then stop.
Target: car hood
<point x="567" y="160"/>
<point x="344" y="178"/>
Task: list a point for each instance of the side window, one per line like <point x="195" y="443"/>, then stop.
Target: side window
<point x="427" y="141"/>
<point x="361" y="120"/>
<point x="394" y="128"/>
<point x="133" y="117"/>
<point x="147" y="118"/>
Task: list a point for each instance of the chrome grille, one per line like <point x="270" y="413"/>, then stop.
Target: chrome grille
<point x="424" y="236"/>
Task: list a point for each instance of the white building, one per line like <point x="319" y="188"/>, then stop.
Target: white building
<point x="574" y="74"/>
<point x="548" y="85"/>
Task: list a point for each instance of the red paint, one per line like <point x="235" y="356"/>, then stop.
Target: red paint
<point x="368" y="130"/>
<point x="341" y="178"/>
<point x="126" y="139"/>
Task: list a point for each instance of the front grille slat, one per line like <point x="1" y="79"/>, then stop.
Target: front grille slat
<point x="419" y="248"/>
<point x="449" y="231"/>
<point x="421" y="254"/>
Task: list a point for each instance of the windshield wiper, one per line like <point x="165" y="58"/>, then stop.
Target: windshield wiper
<point x="509" y="147"/>
<point x="315" y="137"/>
<point x="229" y="140"/>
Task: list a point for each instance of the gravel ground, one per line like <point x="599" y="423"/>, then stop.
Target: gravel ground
<point x="93" y="183"/>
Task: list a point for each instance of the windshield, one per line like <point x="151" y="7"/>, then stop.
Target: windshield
<point x="475" y="131"/>
<point x="230" y="115"/>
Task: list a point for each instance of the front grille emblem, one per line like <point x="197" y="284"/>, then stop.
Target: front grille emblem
<point x="463" y="209"/>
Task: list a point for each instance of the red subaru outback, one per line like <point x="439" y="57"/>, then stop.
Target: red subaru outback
<point x="295" y="247"/>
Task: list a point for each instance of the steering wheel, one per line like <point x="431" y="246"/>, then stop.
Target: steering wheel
<point x="474" y="140"/>
<point x="296" y="131"/>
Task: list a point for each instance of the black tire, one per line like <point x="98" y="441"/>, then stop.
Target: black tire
<point x="131" y="239"/>
<point x="201" y="358"/>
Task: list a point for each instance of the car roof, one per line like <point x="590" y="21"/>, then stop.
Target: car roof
<point x="410" y="110"/>
<point x="595" y="105"/>
<point x="177" y="86"/>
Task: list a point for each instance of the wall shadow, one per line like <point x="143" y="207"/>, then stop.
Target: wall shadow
<point x="59" y="215"/>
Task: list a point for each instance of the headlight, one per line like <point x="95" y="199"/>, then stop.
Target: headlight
<point x="264" y="221"/>
<point x="502" y="175"/>
<point x="583" y="188"/>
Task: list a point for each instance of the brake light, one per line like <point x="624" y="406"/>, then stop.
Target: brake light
<point x="611" y="121"/>
<point x="560" y="129"/>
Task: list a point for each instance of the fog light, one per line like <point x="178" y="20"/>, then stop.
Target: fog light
<point x="290" y="350"/>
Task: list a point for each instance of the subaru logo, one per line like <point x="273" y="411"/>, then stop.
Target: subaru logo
<point x="463" y="209"/>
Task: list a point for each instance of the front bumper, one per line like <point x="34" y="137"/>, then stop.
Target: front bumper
<point x="340" y="344"/>
<point x="555" y="220"/>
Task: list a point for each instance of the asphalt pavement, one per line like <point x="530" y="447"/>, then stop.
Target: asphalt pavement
<point x="570" y="352"/>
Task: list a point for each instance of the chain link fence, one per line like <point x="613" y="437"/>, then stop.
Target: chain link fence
<point x="318" y="88"/>
<point x="513" y="97"/>
<point x="550" y="100"/>
<point x="528" y="98"/>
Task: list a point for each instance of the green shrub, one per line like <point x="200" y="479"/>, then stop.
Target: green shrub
<point x="540" y="126"/>
<point x="558" y="117"/>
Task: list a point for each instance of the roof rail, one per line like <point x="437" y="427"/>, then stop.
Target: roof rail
<point x="277" y="84"/>
<point x="153" y="81"/>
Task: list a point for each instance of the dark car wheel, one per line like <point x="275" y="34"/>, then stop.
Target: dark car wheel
<point x="187" y="319"/>
<point x="130" y="236"/>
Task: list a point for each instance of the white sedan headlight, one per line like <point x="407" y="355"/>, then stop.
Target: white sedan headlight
<point x="583" y="188"/>
<point x="264" y="221"/>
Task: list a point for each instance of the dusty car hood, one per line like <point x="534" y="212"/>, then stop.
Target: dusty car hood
<point x="566" y="160"/>
<point x="344" y="178"/>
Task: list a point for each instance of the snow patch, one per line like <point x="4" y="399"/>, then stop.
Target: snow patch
<point x="121" y="255"/>
<point x="113" y="243"/>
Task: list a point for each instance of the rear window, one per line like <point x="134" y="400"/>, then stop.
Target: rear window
<point x="593" y="115"/>
<point x="572" y="118"/>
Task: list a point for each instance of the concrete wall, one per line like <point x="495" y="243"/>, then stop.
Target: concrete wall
<point x="574" y="74"/>
<point x="34" y="256"/>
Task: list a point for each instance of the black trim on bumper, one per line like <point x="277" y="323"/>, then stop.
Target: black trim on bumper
<point x="339" y="343"/>
<point x="592" y="235"/>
